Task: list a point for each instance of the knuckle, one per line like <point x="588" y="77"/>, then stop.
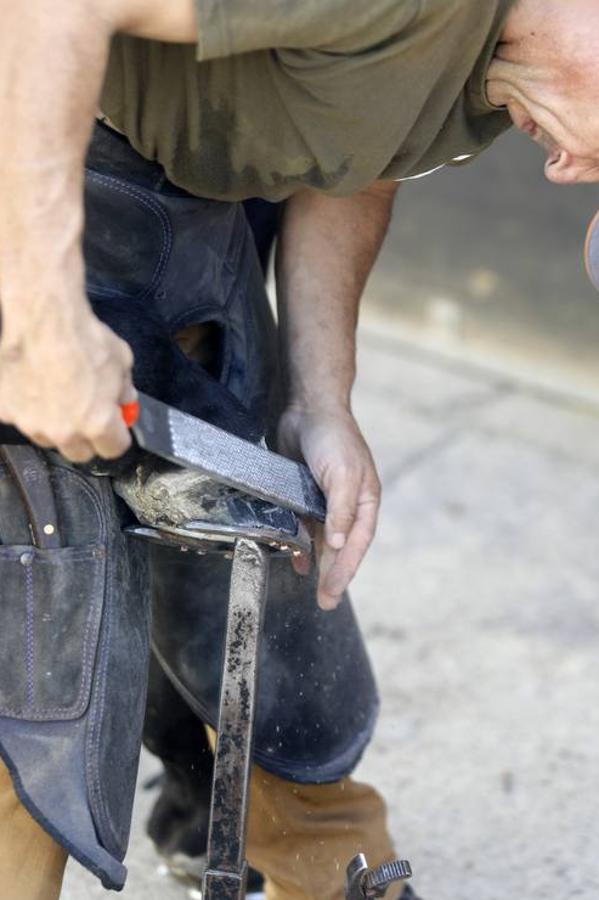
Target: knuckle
<point x="371" y="493"/>
<point x="98" y="426"/>
<point x="62" y="437"/>
<point x="338" y="517"/>
<point x="114" y="450"/>
<point x="339" y="507"/>
<point x="76" y="451"/>
<point x="41" y="441"/>
<point x="343" y="472"/>
<point x="102" y="421"/>
<point x="24" y="423"/>
<point x="373" y="498"/>
<point x="79" y="456"/>
<point x="126" y="355"/>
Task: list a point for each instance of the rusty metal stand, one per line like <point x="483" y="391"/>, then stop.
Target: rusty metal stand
<point x="226" y="873"/>
<point x="253" y="540"/>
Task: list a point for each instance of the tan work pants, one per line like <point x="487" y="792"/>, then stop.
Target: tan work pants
<point x="31" y="863"/>
<point x="300" y="836"/>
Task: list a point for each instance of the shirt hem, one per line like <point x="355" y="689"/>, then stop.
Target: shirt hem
<point x="478" y="88"/>
<point x="213" y="38"/>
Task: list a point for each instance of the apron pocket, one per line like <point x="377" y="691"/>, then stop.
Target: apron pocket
<point x="50" y="612"/>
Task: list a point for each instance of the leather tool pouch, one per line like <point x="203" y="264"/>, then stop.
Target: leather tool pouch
<point x="52" y="597"/>
<point x="74" y="649"/>
<point x="53" y="600"/>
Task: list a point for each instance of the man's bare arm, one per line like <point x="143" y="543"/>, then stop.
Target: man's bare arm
<point x="62" y="373"/>
<point x="326" y="251"/>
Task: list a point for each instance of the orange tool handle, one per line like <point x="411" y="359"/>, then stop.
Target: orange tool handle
<point x="130" y="413"/>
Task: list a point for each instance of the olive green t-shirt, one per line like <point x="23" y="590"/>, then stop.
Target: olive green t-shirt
<point x="330" y="94"/>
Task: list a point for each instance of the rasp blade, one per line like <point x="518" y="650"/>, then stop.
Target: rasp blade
<point x="195" y="444"/>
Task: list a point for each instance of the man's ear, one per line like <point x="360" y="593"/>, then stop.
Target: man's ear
<point x="560" y="168"/>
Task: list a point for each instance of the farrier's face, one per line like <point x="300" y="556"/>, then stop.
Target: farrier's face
<point x="554" y="98"/>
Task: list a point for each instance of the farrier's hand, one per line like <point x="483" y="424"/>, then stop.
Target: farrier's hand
<point x="62" y="379"/>
<point x="333" y="447"/>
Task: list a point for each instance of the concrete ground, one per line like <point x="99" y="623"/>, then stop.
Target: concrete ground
<point x="479" y="604"/>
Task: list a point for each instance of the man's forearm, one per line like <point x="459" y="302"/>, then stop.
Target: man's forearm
<point x="52" y="59"/>
<point x="326" y="252"/>
<point x="63" y="374"/>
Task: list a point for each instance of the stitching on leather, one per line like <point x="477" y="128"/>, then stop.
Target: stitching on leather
<point x="234" y="246"/>
<point x="197" y="315"/>
<point x="64" y="475"/>
<point x="93" y="738"/>
<point x="247" y="317"/>
<point x="93" y="618"/>
<point x="80" y="702"/>
<point x="29" y="632"/>
<point x="112" y="839"/>
<point x="78" y="706"/>
<point x="167" y="236"/>
<point x="97" y="290"/>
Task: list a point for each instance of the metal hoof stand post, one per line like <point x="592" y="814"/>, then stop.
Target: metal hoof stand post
<point x="226" y="872"/>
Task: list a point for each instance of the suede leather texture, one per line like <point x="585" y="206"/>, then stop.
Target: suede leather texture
<point x="74" y="655"/>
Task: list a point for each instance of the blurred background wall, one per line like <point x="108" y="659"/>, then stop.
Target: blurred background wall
<point x="485" y="261"/>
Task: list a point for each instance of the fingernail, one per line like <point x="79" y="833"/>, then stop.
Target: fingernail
<point x="328" y="604"/>
<point x="328" y="601"/>
<point x="337" y="540"/>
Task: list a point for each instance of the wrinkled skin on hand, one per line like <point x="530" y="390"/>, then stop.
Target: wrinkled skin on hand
<point x="333" y="447"/>
<point x="61" y="383"/>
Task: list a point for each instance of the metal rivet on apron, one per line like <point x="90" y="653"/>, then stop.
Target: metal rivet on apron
<point x="26" y="559"/>
<point x="49" y="529"/>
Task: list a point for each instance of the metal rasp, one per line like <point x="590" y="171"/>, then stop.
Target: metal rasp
<point x="251" y="468"/>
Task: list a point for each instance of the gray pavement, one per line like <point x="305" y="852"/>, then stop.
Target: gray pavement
<point x="479" y="603"/>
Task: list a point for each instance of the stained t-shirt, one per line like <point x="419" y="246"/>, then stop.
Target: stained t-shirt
<point x="278" y="95"/>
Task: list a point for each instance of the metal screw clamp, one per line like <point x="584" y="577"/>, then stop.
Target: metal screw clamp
<point x="363" y="883"/>
<point x="376" y="881"/>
